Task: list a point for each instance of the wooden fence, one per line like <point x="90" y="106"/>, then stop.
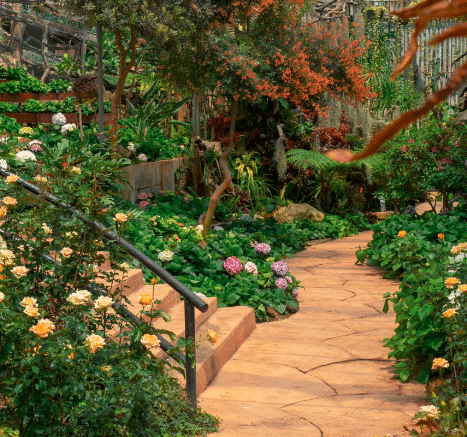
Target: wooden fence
<point x="434" y="63"/>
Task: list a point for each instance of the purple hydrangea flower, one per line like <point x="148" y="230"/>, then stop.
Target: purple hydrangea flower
<point x="263" y="248"/>
<point x="250" y="267"/>
<point x="233" y="265"/>
<point x="281" y="283"/>
<point x="280" y="268"/>
<point x="295" y="293"/>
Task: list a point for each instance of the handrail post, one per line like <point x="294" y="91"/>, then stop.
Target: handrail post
<point x="190" y="370"/>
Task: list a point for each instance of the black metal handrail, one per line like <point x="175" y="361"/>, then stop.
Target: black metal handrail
<point x="191" y="302"/>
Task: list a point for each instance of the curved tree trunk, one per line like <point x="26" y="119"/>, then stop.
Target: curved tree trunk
<point x="123" y="70"/>
<point x="225" y="172"/>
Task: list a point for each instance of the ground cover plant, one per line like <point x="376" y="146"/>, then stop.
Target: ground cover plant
<point x="428" y="255"/>
<point x="69" y="364"/>
<point x="242" y="262"/>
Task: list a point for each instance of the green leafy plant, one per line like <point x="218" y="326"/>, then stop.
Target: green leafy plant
<point x="33" y="105"/>
<point x="9" y="107"/>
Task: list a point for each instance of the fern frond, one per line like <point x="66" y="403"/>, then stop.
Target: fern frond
<point x="309" y="159"/>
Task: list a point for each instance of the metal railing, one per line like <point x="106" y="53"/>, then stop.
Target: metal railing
<point x="191" y="301"/>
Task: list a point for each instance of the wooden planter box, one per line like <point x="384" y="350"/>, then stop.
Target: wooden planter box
<point x="152" y="177"/>
<point x="46" y="117"/>
<point x="24" y="97"/>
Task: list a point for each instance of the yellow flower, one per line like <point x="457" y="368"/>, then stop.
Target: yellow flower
<point x="85" y="293"/>
<point x="31" y="311"/>
<point x="120" y="218"/>
<point x="11" y="179"/>
<point x="71" y="234"/>
<point x="212" y="336"/>
<point x="462" y="287"/>
<point x="6" y="254"/>
<point x="449" y="313"/>
<point x="66" y="252"/>
<point x="3" y="211"/>
<point x="9" y="201"/>
<point x="76" y="299"/>
<point x="431" y="410"/>
<point x="28" y="301"/>
<point x="103" y="302"/>
<point x="71" y="355"/>
<point x="145" y="300"/>
<point x="95" y="269"/>
<point x="95" y="342"/>
<point x="47" y="230"/>
<point x="440" y="362"/>
<point x="20" y="271"/>
<point x="149" y="340"/>
<point x="441" y="236"/>
<point x="450" y="282"/>
<point x="40" y="179"/>
<point x="402" y="234"/>
<point x="125" y="267"/>
<point x="43" y="328"/>
<point x="75" y="170"/>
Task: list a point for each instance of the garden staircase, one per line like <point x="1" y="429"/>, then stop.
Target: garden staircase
<point x="233" y="325"/>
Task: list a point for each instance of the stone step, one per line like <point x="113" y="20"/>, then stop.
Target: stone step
<point x="132" y="281"/>
<point x="163" y="292"/>
<point x="233" y="326"/>
<point x="177" y="324"/>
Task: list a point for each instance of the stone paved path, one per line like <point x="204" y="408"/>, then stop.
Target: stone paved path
<point x="324" y="371"/>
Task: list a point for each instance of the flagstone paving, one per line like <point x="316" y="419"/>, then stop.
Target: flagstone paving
<point x="324" y="371"/>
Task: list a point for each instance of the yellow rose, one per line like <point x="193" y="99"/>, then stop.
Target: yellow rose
<point x="11" y="179"/>
<point x="9" y="201"/>
<point x="85" y="293"/>
<point x="440" y="362"/>
<point x="402" y="234"/>
<point x="125" y="267"/>
<point x="441" y="236"/>
<point x="450" y="282"/>
<point x="212" y="336"/>
<point x="43" y="328"/>
<point x="149" y="341"/>
<point x="3" y="211"/>
<point x="66" y="252"/>
<point x="20" y="271"/>
<point x="145" y="300"/>
<point x="449" y="313"/>
<point x="431" y="410"/>
<point x="28" y="301"/>
<point x="31" y="311"/>
<point x="76" y="299"/>
<point x="47" y="230"/>
<point x="6" y="254"/>
<point x="103" y="302"/>
<point x="120" y="218"/>
<point x="95" y="342"/>
<point x="462" y="287"/>
<point x="75" y="170"/>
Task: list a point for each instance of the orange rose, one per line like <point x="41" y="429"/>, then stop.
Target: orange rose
<point x="145" y="300"/>
<point x="212" y="336"/>
<point x="3" y="211"/>
<point x="462" y="287"/>
<point x="120" y="218"/>
<point x="450" y="282"/>
<point x="441" y="236"/>
<point x="11" y="179"/>
<point x="66" y="252"/>
<point x="440" y="362"/>
<point x="9" y="201"/>
<point x="43" y="328"/>
<point x="449" y="313"/>
<point x="20" y="271"/>
<point x="31" y="311"/>
<point x="402" y="234"/>
<point x="28" y="301"/>
<point x="95" y="342"/>
<point x="149" y="341"/>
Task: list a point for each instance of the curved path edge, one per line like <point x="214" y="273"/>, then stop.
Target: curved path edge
<point x="323" y="372"/>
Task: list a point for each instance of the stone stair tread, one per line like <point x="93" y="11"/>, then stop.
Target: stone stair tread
<point x="132" y="281"/>
<point x="163" y="292"/>
<point x="233" y="326"/>
<point x="177" y="324"/>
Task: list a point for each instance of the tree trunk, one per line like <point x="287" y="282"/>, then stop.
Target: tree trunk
<point x="16" y="35"/>
<point x="123" y="71"/>
<point x="225" y="172"/>
<point x="196" y="115"/>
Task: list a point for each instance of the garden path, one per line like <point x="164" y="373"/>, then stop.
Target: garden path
<point x="324" y="371"/>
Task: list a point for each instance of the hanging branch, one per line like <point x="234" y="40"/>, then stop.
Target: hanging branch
<point x="424" y="12"/>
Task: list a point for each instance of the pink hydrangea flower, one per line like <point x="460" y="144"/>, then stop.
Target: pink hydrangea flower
<point x="144" y="204"/>
<point x="233" y="265"/>
<point x="281" y="283"/>
<point x="250" y="267"/>
<point x="280" y="268"/>
<point x="289" y="279"/>
<point x="295" y="293"/>
<point x="404" y="149"/>
<point x="263" y="248"/>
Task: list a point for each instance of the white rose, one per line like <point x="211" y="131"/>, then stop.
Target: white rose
<point x="76" y="299"/>
<point x="142" y="157"/>
<point x="25" y="155"/>
<point x="3" y="164"/>
<point x="131" y="147"/>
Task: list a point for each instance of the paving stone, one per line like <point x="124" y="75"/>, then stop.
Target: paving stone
<point x="323" y="371"/>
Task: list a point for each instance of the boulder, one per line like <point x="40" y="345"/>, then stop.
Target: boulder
<point x="297" y="211"/>
<point x="383" y="215"/>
